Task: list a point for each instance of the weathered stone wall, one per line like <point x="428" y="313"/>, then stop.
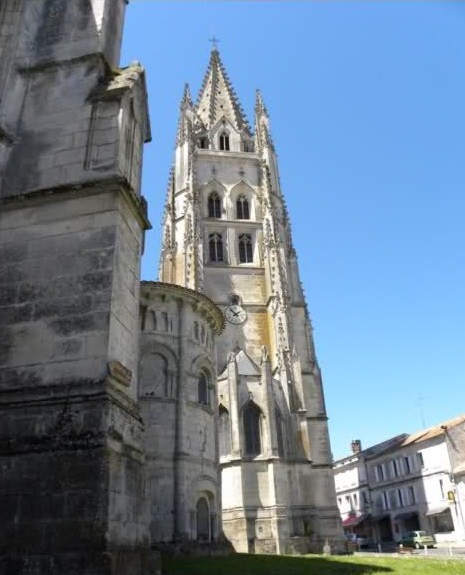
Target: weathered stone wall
<point x="72" y="487"/>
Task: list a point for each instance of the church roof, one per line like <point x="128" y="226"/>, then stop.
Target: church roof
<point x="217" y="99"/>
<point x="245" y="365"/>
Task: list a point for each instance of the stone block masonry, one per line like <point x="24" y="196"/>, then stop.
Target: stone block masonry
<point x="72" y="479"/>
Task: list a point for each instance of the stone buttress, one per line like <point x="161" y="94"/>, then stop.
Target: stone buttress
<point x="72" y="128"/>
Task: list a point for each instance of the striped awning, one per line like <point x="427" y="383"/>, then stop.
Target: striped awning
<point x="352" y="520"/>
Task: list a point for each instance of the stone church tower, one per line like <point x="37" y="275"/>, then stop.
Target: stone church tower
<point x="227" y="235"/>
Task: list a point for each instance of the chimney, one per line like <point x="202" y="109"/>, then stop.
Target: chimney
<point x="356" y="446"/>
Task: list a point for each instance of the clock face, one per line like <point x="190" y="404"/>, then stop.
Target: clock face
<point x="235" y="314"/>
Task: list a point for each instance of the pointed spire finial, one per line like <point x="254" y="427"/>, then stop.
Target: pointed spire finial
<point x="260" y="107"/>
<point x="186" y="97"/>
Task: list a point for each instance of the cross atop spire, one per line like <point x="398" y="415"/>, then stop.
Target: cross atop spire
<point x="214" y="41"/>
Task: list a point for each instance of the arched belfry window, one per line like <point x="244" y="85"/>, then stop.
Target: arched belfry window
<point x="215" y="247"/>
<point x="224" y="141"/>
<point x="203" y="389"/>
<point x="242" y="208"/>
<point x="214" y="205"/>
<point x="245" y="249"/>
<point x="251" y="417"/>
<point x="203" y="143"/>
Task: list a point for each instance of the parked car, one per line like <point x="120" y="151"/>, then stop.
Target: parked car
<point x="417" y="539"/>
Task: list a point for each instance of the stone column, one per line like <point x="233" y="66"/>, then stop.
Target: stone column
<point x="181" y="511"/>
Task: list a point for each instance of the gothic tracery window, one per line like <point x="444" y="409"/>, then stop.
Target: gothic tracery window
<point x="251" y="417"/>
<point x="245" y="249"/>
<point x="214" y="205"/>
<point x="242" y="208"/>
<point x="215" y="247"/>
<point x="224" y="141"/>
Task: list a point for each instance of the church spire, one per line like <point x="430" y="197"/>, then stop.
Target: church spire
<point x="262" y="124"/>
<point x="260" y="108"/>
<point x="186" y="97"/>
<point x="217" y="99"/>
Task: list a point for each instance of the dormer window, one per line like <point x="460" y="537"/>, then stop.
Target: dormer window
<point x="224" y="141"/>
<point x="242" y="208"/>
<point x="214" y="205"/>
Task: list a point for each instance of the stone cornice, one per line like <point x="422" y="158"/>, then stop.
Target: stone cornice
<point x="92" y="187"/>
<point x="189" y="294"/>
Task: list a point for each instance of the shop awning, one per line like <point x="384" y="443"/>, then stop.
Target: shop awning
<point x="352" y="520"/>
<point x="404" y="516"/>
<point x="437" y="510"/>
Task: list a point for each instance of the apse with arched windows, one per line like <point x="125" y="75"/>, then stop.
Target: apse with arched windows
<point x="177" y="390"/>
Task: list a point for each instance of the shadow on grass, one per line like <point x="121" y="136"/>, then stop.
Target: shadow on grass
<point x="241" y="564"/>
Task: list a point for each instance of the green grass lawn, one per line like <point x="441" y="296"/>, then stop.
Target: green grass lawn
<point x="312" y="565"/>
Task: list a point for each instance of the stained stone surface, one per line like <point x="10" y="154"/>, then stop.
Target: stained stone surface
<point x="72" y="127"/>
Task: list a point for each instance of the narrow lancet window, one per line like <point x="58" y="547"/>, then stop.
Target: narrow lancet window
<point x="203" y="389"/>
<point x="215" y="246"/>
<point x="224" y="141"/>
<point x="242" y="208"/>
<point x="245" y="249"/>
<point x="224" y="432"/>
<point x="279" y="433"/>
<point x="214" y="205"/>
<point x="252" y="422"/>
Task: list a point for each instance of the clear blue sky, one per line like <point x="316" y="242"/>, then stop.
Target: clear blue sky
<point x="367" y="104"/>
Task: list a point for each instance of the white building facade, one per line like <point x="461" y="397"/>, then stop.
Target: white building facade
<point x="406" y="483"/>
